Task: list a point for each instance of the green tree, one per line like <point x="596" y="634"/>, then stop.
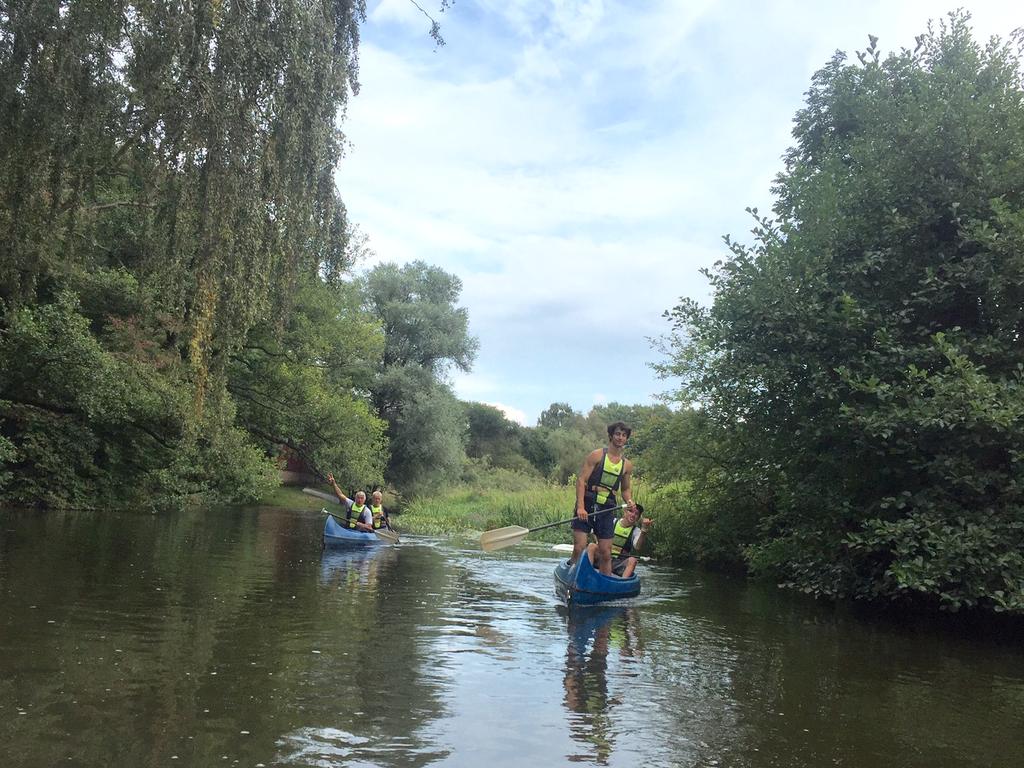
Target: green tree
<point x="538" y="450"/>
<point x="557" y="445"/>
<point x="166" y="176"/>
<point x="863" y="360"/>
<point x="491" y="436"/>
<point x="425" y="335"/>
<point x="426" y="429"/>
<point x="196" y="149"/>
<point x="308" y="387"/>
<point x="557" y="453"/>
<point x="560" y="416"/>
<point x="569" y="448"/>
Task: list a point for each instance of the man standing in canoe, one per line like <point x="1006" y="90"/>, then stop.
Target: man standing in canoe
<point x="359" y="515"/>
<point x="605" y="471"/>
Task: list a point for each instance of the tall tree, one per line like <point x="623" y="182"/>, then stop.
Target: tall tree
<point x="559" y="442"/>
<point x="560" y="416"/>
<point x="864" y="357"/>
<point x="425" y="335"/>
<point x="184" y="154"/>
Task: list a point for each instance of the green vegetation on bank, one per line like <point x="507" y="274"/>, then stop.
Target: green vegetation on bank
<point x="860" y="373"/>
<point x="292" y="497"/>
<point x="177" y="300"/>
<point x="493" y="500"/>
<point x="488" y="497"/>
<point x="178" y="309"/>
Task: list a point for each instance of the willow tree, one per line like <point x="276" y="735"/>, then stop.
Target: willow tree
<point x="862" y="366"/>
<point x="166" y="173"/>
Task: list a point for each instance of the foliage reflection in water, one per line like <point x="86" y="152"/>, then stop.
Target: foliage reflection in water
<point x="215" y="637"/>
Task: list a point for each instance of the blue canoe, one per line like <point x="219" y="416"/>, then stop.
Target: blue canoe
<point x="335" y="535"/>
<point x="582" y="585"/>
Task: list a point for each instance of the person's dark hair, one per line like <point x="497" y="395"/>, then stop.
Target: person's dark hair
<point x="619" y="425"/>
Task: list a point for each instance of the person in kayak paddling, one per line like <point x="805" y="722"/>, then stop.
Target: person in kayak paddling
<point x="605" y="471"/>
<point x="381" y="519"/>
<point x="627" y="539"/>
<point x="359" y="516"/>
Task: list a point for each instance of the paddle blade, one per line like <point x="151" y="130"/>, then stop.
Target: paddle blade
<point x="500" y="538"/>
<point x="391" y="537"/>
<point x="322" y="495"/>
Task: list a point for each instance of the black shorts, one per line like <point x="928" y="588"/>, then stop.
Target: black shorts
<point x="602" y="525"/>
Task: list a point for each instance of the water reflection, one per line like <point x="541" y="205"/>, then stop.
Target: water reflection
<point x="594" y="633"/>
<point x="355" y="567"/>
<point x="227" y="638"/>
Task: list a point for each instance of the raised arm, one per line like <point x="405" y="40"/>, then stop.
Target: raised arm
<point x="337" y="491"/>
<point x="643" y="526"/>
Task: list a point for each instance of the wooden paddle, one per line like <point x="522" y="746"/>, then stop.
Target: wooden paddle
<point x="390" y="536"/>
<point x="499" y="538"/>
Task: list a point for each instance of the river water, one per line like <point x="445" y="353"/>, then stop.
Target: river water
<point x="223" y="638"/>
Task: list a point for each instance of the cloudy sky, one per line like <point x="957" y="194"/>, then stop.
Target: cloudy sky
<point x="576" y="163"/>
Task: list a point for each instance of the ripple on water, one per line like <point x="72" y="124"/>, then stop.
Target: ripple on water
<point x="330" y="747"/>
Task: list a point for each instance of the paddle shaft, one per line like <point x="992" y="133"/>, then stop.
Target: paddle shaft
<point x="499" y="538"/>
<point x="574" y="517"/>
<point x="321" y="495"/>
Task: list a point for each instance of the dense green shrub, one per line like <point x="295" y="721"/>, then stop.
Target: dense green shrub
<point x="863" y="360"/>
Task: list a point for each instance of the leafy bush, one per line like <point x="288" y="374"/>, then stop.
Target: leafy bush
<point x="862" y="362"/>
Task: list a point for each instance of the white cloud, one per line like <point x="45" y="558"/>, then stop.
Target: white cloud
<point x="512" y="414"/>
<point x="473" y="386"/>
<point x="398" y="11"/>
<point x="576" y="163"/>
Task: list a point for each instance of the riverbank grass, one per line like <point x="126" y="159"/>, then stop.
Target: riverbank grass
<point x="292" y="497"/>
<point x="468" y="511"/>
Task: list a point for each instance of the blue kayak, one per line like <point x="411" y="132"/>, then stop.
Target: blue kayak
<point x="582" y="585"/>
<point x="336" y="535"/>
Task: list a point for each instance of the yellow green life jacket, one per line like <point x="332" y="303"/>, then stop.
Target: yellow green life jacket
<point x="605" y="478"/>
<point x="354" y="513"/>
<point x="378" y="516"/>
<point x="622" y="540"/>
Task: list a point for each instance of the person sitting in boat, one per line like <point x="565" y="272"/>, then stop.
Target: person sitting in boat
<point x="381" y="519"/>
<point x="630" y="530"/>
<point x="605" y="471"/>
<point x="358" y="514"/>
